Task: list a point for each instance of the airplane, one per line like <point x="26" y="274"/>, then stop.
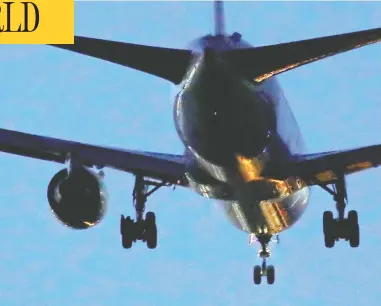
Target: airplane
<point x="242" y="143"/>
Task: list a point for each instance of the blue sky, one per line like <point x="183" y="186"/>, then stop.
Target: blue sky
<point x="201" y="258"/>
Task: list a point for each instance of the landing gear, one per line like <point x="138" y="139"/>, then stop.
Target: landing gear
<point x="142" y="228"/>
<point x="264" y="270"/>
<point x="340" y="227"/>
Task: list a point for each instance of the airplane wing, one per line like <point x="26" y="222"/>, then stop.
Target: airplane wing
<point x="324" y="168"/>
<point x="166" y="167"/>
<point x="169" y="64"/>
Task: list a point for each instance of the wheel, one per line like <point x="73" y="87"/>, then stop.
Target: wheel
<point x="126" y="225"/>
<point x="151" y="237"/>
<point x="257" y="275"/>
<point x="150" y="218"/>
<point x="353" y="217"/>
<point x="353" y="229"/>
<point x="327" y="222"/>
<point x="126" y="241"/>
<point x="121" y="224"/>
<point x="127" y="231"/>
<point x="270" y="275"/>
<point x="151" y="230"/>
<point x="329" y="229"/>
<point x="354" y="240"/>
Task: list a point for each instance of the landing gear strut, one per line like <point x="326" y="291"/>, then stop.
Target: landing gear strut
<point x="142" y="228"/>
<point x="264" y="269"/>
<point x="340" y="228"/>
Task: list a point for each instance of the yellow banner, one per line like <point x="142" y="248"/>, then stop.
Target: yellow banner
<point x="37" y="22"/>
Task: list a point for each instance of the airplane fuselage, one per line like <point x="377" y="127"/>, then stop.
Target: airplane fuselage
<point x="235" y="131"/>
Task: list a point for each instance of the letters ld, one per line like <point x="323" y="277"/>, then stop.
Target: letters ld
<point x="23" y="27"/>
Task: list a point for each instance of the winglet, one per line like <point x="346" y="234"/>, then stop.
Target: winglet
<point x="219" y="18"/>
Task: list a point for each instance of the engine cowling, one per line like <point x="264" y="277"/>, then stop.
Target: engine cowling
<point x="78" y="199"/>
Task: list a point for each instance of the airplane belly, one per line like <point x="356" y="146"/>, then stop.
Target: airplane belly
<point x="266" y="216"/>
<point x="259" y="206"/>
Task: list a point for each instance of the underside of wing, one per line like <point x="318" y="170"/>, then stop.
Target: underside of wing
<point x="165" y="167"/>
<point x="166" y="63"/>
<point x="324" y="168"/>
<point x="260" y="63"/>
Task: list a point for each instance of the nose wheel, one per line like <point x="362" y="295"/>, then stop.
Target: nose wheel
<point x="338" y="228"/>
<point x="141" y="228"/>
<point x="264" y="270"/>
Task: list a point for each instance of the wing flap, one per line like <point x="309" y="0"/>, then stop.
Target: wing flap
<point x="261" y="63"/>
<point x="167" y="167"/>
<point x="169" y="64"/>
<point x="324" y="168"/>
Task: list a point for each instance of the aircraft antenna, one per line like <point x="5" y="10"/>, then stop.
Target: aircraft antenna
<point x="219" y="17"/>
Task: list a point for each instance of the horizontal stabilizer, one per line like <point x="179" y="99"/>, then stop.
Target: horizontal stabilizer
<point x="261" y="63"/>
<point x="169" y="64"/>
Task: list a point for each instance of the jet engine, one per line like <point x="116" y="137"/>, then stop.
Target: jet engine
<point x="78" y="198"/>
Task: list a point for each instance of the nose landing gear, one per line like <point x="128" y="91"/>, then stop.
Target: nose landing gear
<point x="143" y="229"/>
<point x="264" y="270"/>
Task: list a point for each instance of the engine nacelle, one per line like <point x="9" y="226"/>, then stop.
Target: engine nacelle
<point x="78" y="199"/>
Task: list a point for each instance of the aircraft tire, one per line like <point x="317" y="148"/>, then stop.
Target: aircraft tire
<point x="353" y="217"/>
<point x="151" y="230"/>
<point x="121" y="224"/>
<point x="257" y="275"/>
<point x="126" y="241"/>
<point x="270" y="275"/>
<point x="329" y="229"/>
<point x="127" y="231"/>
<point x="354" y="229"/>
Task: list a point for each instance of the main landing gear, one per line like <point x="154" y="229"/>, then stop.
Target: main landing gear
<point x="140" y="229"/>
<point x="340" y="227"/>
<point x="264" y="270"/>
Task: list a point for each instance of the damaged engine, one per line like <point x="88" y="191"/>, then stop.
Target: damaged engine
<point x="78" y="198"/>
